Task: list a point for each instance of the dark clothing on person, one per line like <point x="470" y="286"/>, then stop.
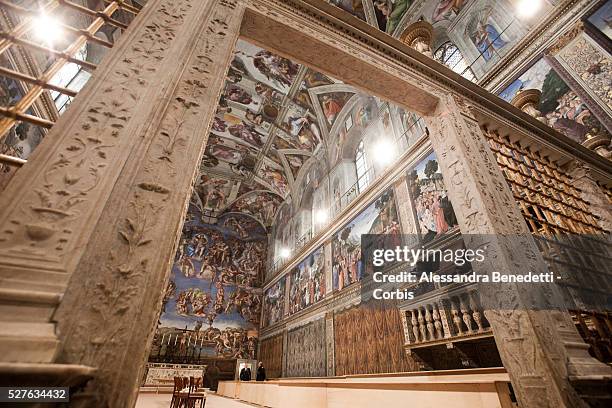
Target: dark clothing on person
<point x="245" y="374"/>
<point x="261" y="374"/>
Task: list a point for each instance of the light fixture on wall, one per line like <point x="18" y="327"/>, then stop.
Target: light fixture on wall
<point x="383" y="152"/>
<point x="321" y="216"/>
<point x="528" y="8"/>
<point x="47" y="28"/>
<point x="285" y="253"/>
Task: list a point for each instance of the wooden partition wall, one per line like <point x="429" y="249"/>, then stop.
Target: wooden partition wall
<point x="368" y="340"/>
<point x="271" y="355"/>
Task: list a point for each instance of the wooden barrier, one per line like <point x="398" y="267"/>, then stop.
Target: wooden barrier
<point x="477" y="388"/>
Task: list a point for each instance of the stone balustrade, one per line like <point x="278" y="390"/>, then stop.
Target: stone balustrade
<point x="445" y="319"/>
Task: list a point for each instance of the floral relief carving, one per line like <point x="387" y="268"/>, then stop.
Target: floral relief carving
<point x="136" y="267"/>
<point x="591" y="65"/>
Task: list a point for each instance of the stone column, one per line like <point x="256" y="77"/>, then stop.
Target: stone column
<point x="94" y="216"/>
<point x="541" y="349"/>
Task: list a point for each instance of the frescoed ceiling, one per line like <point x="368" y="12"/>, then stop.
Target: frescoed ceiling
<point x="272" y="117"/>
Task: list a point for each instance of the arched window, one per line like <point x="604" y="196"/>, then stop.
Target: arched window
<point x="363" y="175"/>
<point x="449" y="55"/>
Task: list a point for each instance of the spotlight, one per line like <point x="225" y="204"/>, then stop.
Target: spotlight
<point x="384" y="152"/>
<point x="321" y="216"/>
<point x="285" y="252"/>
<point x="528" y="8"/>
<point x="47" y="28"/>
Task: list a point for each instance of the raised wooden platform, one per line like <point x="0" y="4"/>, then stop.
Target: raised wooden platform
<point x="474" y="388"/>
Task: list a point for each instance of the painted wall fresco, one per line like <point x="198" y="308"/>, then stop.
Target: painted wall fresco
<point x="260" y="204"/>
<point x="447" y="10"/>
<point x="307" y="282"/>
<point x="368" y="340"/>
<point x="214" y="293"/>
<point x="355" y="7"/>
<point x="306" y="356"/>
<point x="390" y="12"/>
<point x="485" y="34"/>
<point x="363" y="114"/>
<point x="432" y="207"/>
<point x="563" y="110"/>
<point x="271" y="355"/>
<point x="380" y="217"/>
<point x="274" y="303"/>
<point x="602" y="19"/>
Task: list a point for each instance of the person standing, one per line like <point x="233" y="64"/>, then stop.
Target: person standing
<point x="261" y="372"/>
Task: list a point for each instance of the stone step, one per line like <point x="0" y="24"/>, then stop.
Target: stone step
<point x="24" y="305"/>
<point x="44" y="375"/>
<point x="27" y="342"/>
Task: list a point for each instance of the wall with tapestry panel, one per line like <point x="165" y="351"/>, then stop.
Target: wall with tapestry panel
<point x="271" y="355"/>
<point x="368" y="340"/>
<point x="306" y="356"/>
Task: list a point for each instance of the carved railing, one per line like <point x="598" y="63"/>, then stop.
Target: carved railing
<point x="445" y="319"/>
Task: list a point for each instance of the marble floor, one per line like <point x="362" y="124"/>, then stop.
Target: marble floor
<point x="163" y="401"/>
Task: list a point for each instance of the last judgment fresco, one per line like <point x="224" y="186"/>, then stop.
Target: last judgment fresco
<point x="213" y="302"/>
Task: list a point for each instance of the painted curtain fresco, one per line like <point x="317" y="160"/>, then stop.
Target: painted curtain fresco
<point x="380" y="217"/>
<point x="307" y="282"/>
<point x="369" y="339"/>
<point x="431" y="204"/>
<point x="274" y="303"/>
<point x="214" y="295"/>
<point x="563" y="110"/>
<point x="306" y="356"/>
<point x="271" y="355"/>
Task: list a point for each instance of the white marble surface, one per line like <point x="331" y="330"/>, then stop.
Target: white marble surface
<point x="163" y="401"/>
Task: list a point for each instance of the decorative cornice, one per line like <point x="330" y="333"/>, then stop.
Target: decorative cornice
<point x="566" y="38"/>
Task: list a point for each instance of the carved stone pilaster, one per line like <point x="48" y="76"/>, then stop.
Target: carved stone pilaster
<point x="108" y="190"/>
<point x="327" y="250"/>
<point x="330" y="343"/>
<point x="540" y="349"/>
<point x="284" y="371"/>
<point x="404" y="208"/>
<point x="592" y="192"/>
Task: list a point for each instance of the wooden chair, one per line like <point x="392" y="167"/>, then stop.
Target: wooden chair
<point x="196" y="395"/>
<point x="178" y="397"/>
